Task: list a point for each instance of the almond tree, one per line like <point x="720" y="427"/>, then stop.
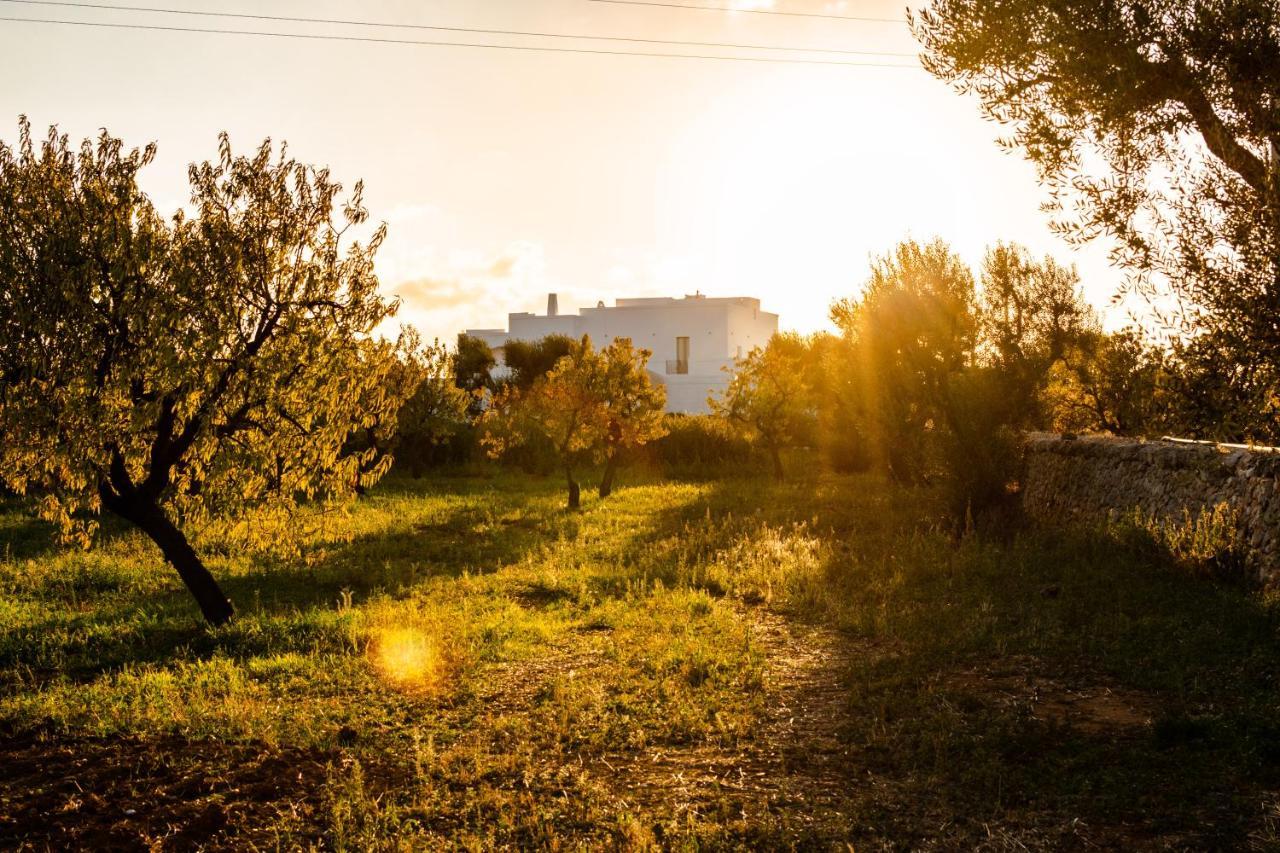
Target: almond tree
<point x="767" y="398"/>
<point x="633" y="405"/>
<point x="590" y="407"/>
<point x="175" y="371"/>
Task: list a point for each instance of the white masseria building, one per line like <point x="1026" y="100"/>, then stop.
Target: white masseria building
<point x="692" y="339"/>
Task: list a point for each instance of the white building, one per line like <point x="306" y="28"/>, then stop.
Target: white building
<point x="692" y="339"/>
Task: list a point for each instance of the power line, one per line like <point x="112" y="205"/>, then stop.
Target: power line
<point x="521" y="47"/>
<point x="753" y="11"/>
<point x="473" y="30"/>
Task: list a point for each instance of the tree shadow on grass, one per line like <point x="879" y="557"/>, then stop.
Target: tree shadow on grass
<point x="1073" y="613"/>
<point x="23" y="536"/>
<point x="394" y="562"/>
<point x="1089" y="614"/>
<point x="278" y="598"/>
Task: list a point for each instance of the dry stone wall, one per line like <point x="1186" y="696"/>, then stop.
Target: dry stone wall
<point x="1093" y="478"/>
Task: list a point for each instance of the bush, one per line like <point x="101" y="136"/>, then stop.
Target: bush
<point x="980" y="450"/>
<point x="699" y="441"/>
<point x="418" y="454"/>
<point x="1207" y="543"/>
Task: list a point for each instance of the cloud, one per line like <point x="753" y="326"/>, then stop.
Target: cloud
<point x="502" y="267"/>
<point x="444" y="293"/>
<point x="434" y="293"/>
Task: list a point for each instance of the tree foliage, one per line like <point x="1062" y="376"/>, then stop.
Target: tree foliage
<point x="591" y="406"/>
<point x="173" y="371"/>
<point x="1029" y="314"/>
<point x="633" y="405"/>
<point x="767" y="398"/>
<point x="1112" y="382"/>
<point x="1152" y="122"/>
<point x="914" y="326"/>
<point x="473" y="364"/>
<point x="434" y="410"/>
<point x="945" y="372"/>
<point x="529" y="361"/>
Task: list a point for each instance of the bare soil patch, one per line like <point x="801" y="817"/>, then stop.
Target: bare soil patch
<point x="169" y="793"/>
<point x="1094" y="709"/>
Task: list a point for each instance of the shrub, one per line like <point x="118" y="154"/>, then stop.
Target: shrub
<point x="1204" y="543"/>
<point x="700" y="441"/>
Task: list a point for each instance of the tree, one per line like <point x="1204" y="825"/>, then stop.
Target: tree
<point x="590" y="406"/>
<point x="1112" y="382"/>
<point x="529" y="361"/>
<point x="838" y="416"/>
<point x="174" y="371"/>
<point x="766" y="397"/>
<point x="633" y="405"/>
<point x="1029" y="315"/>
<point x="472" y="366"/>
<point x="436" y="408"/>
<point x="914" y="327"/>
<point x="1214" y="394"/>
<point x="398" y="372"/>
<point x="950" y="373"/>
<point x="1152" y="122"/>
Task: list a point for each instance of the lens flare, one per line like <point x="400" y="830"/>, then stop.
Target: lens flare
<point x="408" y="658"/>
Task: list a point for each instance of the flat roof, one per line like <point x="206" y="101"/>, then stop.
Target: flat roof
<point x="688" y="300"/>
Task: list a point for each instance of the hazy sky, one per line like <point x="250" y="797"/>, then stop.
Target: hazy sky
<point x="506" y="174"/>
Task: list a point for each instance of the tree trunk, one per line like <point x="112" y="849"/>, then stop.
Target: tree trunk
<point x="574" y="491"/>
<point x="606" y="482"/>
<point x="777" y="462"/>
<point x="173" y="544"/>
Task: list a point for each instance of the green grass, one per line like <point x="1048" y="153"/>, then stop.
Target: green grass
<point x="470" y="665"/>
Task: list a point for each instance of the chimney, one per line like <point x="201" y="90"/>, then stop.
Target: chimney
<point x="553" y="306"/>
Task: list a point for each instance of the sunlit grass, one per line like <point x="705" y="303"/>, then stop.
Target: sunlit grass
<point x="465" y="654"/>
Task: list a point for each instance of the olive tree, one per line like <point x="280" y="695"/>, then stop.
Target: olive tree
<point x="473" y="363"/>
<point x="1115" y="382"/>
<point x="171" y="371"/>
<point x="913" y="329"/>
<point x="1152" y="122"/>
<point x="1030" y="314"/>
<point x="527" y="361"/>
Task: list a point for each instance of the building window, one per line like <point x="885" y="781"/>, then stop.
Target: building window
<point x="681" y="363"/>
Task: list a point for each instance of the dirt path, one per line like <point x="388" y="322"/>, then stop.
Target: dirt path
<point x="793" y="771"/>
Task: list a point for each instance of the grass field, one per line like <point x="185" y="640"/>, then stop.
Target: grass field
<point x="689" y="665"/>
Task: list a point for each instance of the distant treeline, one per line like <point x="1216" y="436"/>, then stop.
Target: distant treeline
<point x="933" y="376"/>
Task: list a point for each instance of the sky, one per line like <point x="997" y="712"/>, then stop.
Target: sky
<point x="503" y="175"/>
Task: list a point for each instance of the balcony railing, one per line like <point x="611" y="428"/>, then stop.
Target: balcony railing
<point x="677" y="366"/>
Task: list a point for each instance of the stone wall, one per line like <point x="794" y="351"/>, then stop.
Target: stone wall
<point x="1091" y="478"/>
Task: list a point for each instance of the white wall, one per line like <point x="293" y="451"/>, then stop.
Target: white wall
<point x="532" y="327"/>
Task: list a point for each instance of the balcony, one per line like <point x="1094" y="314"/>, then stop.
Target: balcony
<point x="677" y="365"/>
